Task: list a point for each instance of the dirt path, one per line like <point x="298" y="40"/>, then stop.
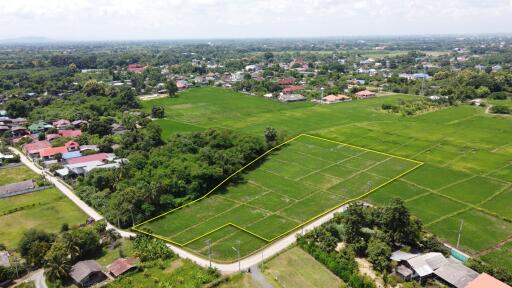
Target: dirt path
<point x="152" y="97"/>
<point x="365" y="268"/>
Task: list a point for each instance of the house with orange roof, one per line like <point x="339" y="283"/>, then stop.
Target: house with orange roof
<point x="365" y="94"/>
<point x="485" y="280"/>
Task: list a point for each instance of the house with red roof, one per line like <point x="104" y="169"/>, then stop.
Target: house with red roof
<point x="91" y="158"/>
<point x="72" y="146"/>
<point x="120" y="266"/>
<point x="365" y="94"/>
<point x="70" y="133"/>
<point x="33" y="149"/>
<point x="51" y="137"/>
<point x="135" y="68"/>
<point x="61" y="124"/>
<point x="292" y="89"/>
<point x="181" y="85"/>
<point x="286" y="82"/>
<point x="50" y="153"/>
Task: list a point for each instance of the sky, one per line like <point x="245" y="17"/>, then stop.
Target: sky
<point x="193" y="19"/>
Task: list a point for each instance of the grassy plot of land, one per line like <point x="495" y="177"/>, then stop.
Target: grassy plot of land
<point x="300" y="181"/>
<point x="296" y="268"/>
<point x="46" y="210"/>
<point x="16" y="174"/>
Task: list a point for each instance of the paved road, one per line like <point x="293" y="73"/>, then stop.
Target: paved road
<point x="38" y="278"/>
<point x="245" y="263"/>
<point x="69" y="193"/>
<point x="259" y="277"/>
<point x="255" y="259"/>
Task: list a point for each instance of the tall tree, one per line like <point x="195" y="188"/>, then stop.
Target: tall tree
<point x="171" y="88"/>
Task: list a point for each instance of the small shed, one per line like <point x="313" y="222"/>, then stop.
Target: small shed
<point x="87" y="273"/>
<point x="120" y="266"/>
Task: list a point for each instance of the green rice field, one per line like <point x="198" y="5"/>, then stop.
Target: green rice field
<point x="302" y="180"/>
<point x="467" y="153"/>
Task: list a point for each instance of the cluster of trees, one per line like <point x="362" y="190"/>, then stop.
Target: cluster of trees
<point x="96" y="100"/>
<point x="368" y="232"/>
<point x="160" y="176"/>
<point x="150" y="249"/>
<point x="57" y="253"/>
<point x="414" y="107"/>
<point x="342" y="264"/>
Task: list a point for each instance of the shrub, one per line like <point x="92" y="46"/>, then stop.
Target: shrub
<point x="500" y="109"/>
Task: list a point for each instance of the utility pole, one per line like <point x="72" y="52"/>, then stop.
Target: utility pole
<point x="131" y="212"/>
<point x="423" y="81"/>
<point x="209" y="242"/>
<point x="460" y="232"/>
<point x="238" y="253"/>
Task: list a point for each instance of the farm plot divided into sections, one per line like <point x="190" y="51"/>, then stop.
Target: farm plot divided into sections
<point x="284" y="189"/>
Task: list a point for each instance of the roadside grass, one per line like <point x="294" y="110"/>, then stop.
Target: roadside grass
<point x="168" y="273"/>
<point x="456" y="144"/>
<point x="284" y="271"/>
<point x="46" y="210"/>
<point x="110" y="255"/>
<point x="240" y="280"/>
<point x="16" y="174"/>
<point x="273" y="199"/>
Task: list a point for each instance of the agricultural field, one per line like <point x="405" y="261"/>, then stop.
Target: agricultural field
<point x="46" y="210"/>
<point x="303" y="179"/>
<point x="467" y="173"/>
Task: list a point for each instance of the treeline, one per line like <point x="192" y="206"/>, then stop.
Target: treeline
<point x="95" y="101"/>
<point x="167" y="176"/>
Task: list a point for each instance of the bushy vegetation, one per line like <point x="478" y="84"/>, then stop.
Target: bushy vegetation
<point x="414" y="107"/>
<point x="155" y="180"/>
<point x="149" y="249"/>
<point x="368" y="232"/>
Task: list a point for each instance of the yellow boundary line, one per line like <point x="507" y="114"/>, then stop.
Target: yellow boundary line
<point x="292" y="229"/>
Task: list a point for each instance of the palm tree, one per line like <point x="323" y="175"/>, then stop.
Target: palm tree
<point x="57" y="264"/>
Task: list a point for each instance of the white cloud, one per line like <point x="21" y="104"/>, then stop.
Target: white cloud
<point x="143" y="19"/>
